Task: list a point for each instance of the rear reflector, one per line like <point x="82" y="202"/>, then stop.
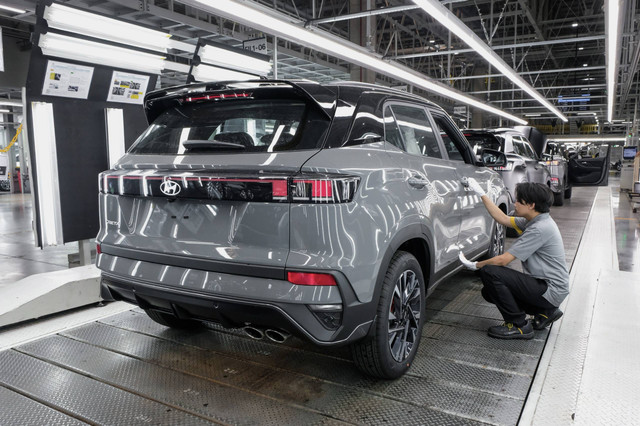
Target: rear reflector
<point x="308" y="278"/>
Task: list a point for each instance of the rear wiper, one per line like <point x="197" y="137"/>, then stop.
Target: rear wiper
<point x="207" y="144"/>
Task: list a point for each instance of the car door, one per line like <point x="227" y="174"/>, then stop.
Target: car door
<point x="541" y="169"/>
<point x="533" y="172"/>
<point x="590" y="171"/>
<point x="432" y="187"/>
<point x="476" y="222"/>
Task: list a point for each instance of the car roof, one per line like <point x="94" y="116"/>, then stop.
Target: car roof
<point x="493" y="131"/>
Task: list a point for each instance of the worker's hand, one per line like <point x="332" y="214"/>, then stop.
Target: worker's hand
<point x="473" y="185"/>
<point x="466" y="263"/>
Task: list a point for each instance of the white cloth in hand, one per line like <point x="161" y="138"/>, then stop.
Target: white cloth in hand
<point x="467" y="264"/>
<point x="473" y="185"/>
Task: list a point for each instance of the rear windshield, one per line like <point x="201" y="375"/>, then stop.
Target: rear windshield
<point x="234" y="126"/>
<point x="479" y="142"/>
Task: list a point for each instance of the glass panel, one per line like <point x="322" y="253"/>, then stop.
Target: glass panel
<point x="416" y="131"/>
<point x="448" y="139"/>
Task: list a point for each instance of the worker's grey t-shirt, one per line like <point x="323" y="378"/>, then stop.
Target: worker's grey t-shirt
<point x="541" y="251"/>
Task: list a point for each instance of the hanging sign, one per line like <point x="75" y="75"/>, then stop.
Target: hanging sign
<point x="127" y="88"/>
<point x="256" y="45"/>
<point x="67" y="80"/>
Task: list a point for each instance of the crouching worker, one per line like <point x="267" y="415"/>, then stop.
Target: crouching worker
<point x="544" y="285"/>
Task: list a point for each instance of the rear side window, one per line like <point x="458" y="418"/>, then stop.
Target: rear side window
<point x="411" y="130"/>
<point x="480" y="142"/>
<point x="244" y="125"/>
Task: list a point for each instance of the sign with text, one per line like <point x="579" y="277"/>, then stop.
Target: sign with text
<point x="127" y="88"/>
<point x="67" y="80"/>
<point x="256" y="45"/>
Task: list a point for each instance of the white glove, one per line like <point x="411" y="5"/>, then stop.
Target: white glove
<point x="473" y="185"/>
<point x="466" y="263"/>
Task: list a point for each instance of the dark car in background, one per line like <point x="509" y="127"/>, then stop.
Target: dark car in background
<point x="523" y="164"/>
<point x="326" y="211"/>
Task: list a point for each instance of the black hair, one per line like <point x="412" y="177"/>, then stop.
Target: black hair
<point x="535" y="193"/>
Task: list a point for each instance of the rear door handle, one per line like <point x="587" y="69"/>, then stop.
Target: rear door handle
<point x="418" y="182"/>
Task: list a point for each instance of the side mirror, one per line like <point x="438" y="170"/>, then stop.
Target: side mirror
<point x="493" y="158"/>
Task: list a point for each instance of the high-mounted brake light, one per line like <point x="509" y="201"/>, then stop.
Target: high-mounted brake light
<point x="308" y="278"/>
<point x="217" y="96"/>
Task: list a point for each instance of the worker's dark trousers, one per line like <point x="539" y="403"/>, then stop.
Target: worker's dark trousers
<point x="515" y="294"/>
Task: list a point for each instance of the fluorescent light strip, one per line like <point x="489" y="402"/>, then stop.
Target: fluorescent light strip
<point x="9" y="102"/>
<point x="81" y="22"/>
<point x="115" y="134"/>
<point x="258" y="18"/>
<point x="229" y="59"/>
<point x="612" y="16"/>
<point x="589" y="139"/>
<point x="447" y="19"/>
<point x="44" y="141"/>
<point x="88" y="51"/>
<point x="12" y="9"/>
<point x="210" y="73"/>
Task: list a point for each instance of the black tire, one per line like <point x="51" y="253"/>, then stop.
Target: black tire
<point x="498" y="237"/>
<point x="558" y="198"/>
<point x="169" y="320"/>
<point x="389" y="354"/>
<point x="567" y="192"/>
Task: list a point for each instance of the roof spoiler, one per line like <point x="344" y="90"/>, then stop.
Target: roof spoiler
<point x="159" y="100"/>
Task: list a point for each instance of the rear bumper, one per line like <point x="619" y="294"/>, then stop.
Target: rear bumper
<point x="322" y="315"/>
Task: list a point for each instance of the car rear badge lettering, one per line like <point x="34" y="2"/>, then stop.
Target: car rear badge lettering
<point x="170" y="188"/>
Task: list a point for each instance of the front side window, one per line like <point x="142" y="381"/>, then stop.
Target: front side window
<point x="449" y="138"/>
<point x="240" y="126"/>
<point x="415" y="131"/>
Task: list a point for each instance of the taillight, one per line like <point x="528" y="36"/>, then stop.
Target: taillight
<point x="327" y="190"/>
<point x="301" y="188"/>
<point x="507" y="167"/>
<point x="98" y="248"/>
<point x="552" y="162"/>
<point x="309" y="278"/>
<point x="554" y="180"/>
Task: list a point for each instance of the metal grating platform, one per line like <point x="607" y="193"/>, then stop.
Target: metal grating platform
<point x="126" y="369"/>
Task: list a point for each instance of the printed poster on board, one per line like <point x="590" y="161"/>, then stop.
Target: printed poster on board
<point x="67" y="80"/>
<point x="128" y="88"/>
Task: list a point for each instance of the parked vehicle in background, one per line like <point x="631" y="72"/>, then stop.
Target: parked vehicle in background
<point x="556" y="159"/>
<point x="325" y="211"/>
<point x="523" y="164"/>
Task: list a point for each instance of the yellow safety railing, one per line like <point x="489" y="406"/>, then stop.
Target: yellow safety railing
<point x="15" y="138"/>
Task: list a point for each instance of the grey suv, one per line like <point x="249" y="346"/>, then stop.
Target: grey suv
<point x="523" y="164"/>
<point x="325" y="211"/>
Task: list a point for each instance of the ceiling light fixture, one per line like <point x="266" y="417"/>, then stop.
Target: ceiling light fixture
<point x="581" y="48"/>
<point x="585" y="65"/>
<point x="236" y="60"/>
<point x="98" y="26"/>
<point x="612" y="25"/>
<point x="589" y="139"/>
<point x="12" y="9"/>
<point x="451" y="22"/>
<point x="98" y="53"/>
<point x="264" y="19"/>
<point x="574" y="25"/>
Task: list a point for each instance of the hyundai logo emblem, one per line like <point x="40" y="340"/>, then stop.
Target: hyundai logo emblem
<point x="170" y="188"/>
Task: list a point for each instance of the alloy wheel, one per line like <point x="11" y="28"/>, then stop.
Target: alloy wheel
<point x="497" y="243"/>
<point x="404" y="315"/>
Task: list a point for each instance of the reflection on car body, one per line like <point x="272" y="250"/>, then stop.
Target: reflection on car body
<point x="325" y="211"/>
